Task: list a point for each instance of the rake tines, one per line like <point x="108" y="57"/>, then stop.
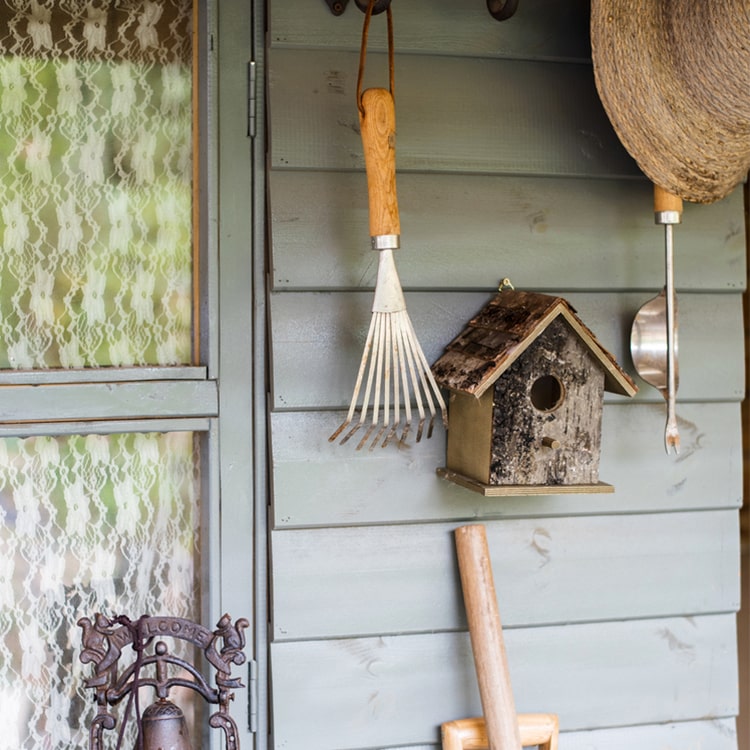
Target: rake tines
<point x="396" y="369"/>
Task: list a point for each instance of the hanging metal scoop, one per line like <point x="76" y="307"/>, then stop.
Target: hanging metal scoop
<point x="653" y="337"/>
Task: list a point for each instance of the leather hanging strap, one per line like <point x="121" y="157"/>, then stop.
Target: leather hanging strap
<point x="363" y="51"/>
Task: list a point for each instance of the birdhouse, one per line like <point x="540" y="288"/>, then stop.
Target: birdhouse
<point x="527" y="380"/>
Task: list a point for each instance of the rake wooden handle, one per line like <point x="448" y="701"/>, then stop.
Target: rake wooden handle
<point x="377" y="120"/>
<point x="486" y="634"/>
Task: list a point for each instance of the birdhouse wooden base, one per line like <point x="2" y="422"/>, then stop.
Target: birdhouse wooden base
<point x="507" y="490"/>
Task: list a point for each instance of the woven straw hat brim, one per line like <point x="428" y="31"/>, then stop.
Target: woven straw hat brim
<point x="674" y="79"/>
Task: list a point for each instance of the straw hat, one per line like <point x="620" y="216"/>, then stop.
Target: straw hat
<point x="674" y="78"/>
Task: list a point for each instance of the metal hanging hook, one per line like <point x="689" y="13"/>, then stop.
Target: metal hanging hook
<point x="337" y="7"/>
<point x="378" y="7"/>
<point x="502" y="9"/>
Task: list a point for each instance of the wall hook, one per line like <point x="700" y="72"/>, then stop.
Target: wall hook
<point x="378" y="7"/>
<point x="501" y="10"/>
<point x="337" y="7"/>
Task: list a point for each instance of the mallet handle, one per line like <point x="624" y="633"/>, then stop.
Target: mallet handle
<point x="486" y="634"/>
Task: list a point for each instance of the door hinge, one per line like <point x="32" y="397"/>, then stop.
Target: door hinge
<point x="252" y="86"/>
<point x="252" y="696"/>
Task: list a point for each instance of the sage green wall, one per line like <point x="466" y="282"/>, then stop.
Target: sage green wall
<point x="619" y="610"/>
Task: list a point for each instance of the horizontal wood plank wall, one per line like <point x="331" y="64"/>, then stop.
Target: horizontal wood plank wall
<point x="448" y="125"/>
<point x="714" y="734"/>
<point x="388" y="690"/>
<point x="316" y="486"/>
<point x="326" y="331"/>
<point x="618" y="609"/>
<point x="527" y="228"/>
<point x="397" y="579"/>
<point x="445" y="27"/>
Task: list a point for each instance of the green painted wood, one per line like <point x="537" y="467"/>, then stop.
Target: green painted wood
<point x="452" y="114"/>
<point x="538" y="30"/>
<point x="100" y="375"/>
<point x="350" y="581"/>
<point x="158" y="399"/>
<point x="456" y="230"/>
<point x="397" y="690"/>
<point x="241" y="348"/>
<point x="198" y="424"/>
<point x="317" y="483"/>
<point x="506" y="162"/>
<point x="318" y="339"/>
<point x="717" y="734"/>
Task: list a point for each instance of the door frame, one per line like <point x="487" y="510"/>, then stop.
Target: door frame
<point x="235" y="239"/>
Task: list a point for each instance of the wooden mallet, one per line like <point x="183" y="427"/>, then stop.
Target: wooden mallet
<point x="485" y="629"/>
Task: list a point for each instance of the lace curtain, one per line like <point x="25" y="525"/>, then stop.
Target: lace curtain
<point x="96" y="120"/>
<point x="87" y="524"/>
<point x="95" y="183"/>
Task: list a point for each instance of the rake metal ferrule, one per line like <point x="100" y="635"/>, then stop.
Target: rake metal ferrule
<point x="385" y="241"/>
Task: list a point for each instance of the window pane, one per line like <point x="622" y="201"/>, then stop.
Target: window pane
<point x="95" y="183"/>
<point x="95" y="523"/>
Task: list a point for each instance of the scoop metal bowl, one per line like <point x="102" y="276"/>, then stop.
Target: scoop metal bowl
<point x="653" y="336"/>
<point x="650" y="349"/>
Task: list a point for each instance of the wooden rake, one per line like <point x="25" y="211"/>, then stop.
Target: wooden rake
<point x="393" y="366"/>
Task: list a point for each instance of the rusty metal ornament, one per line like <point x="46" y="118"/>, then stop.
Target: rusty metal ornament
<point x="162" y="724"/>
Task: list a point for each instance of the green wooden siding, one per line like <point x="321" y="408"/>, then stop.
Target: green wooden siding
<point x="527" y="226"/>
<point x="316" y="486"/>
<point x="393" y="690"/>
<point x="398" y="579"/>
<point x="446" y="28"/>
<point x="619" y="609"/>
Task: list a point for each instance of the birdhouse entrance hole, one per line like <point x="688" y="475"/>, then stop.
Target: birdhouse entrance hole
<point x="547" y="393"/>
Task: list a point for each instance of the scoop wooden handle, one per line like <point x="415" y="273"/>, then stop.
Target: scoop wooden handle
<point x="377" y="120"/>
<point x="666" y="201"/>
<point x="486" y="634"/>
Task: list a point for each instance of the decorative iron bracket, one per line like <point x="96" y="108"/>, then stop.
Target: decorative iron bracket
<point x="103" y="640"/>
